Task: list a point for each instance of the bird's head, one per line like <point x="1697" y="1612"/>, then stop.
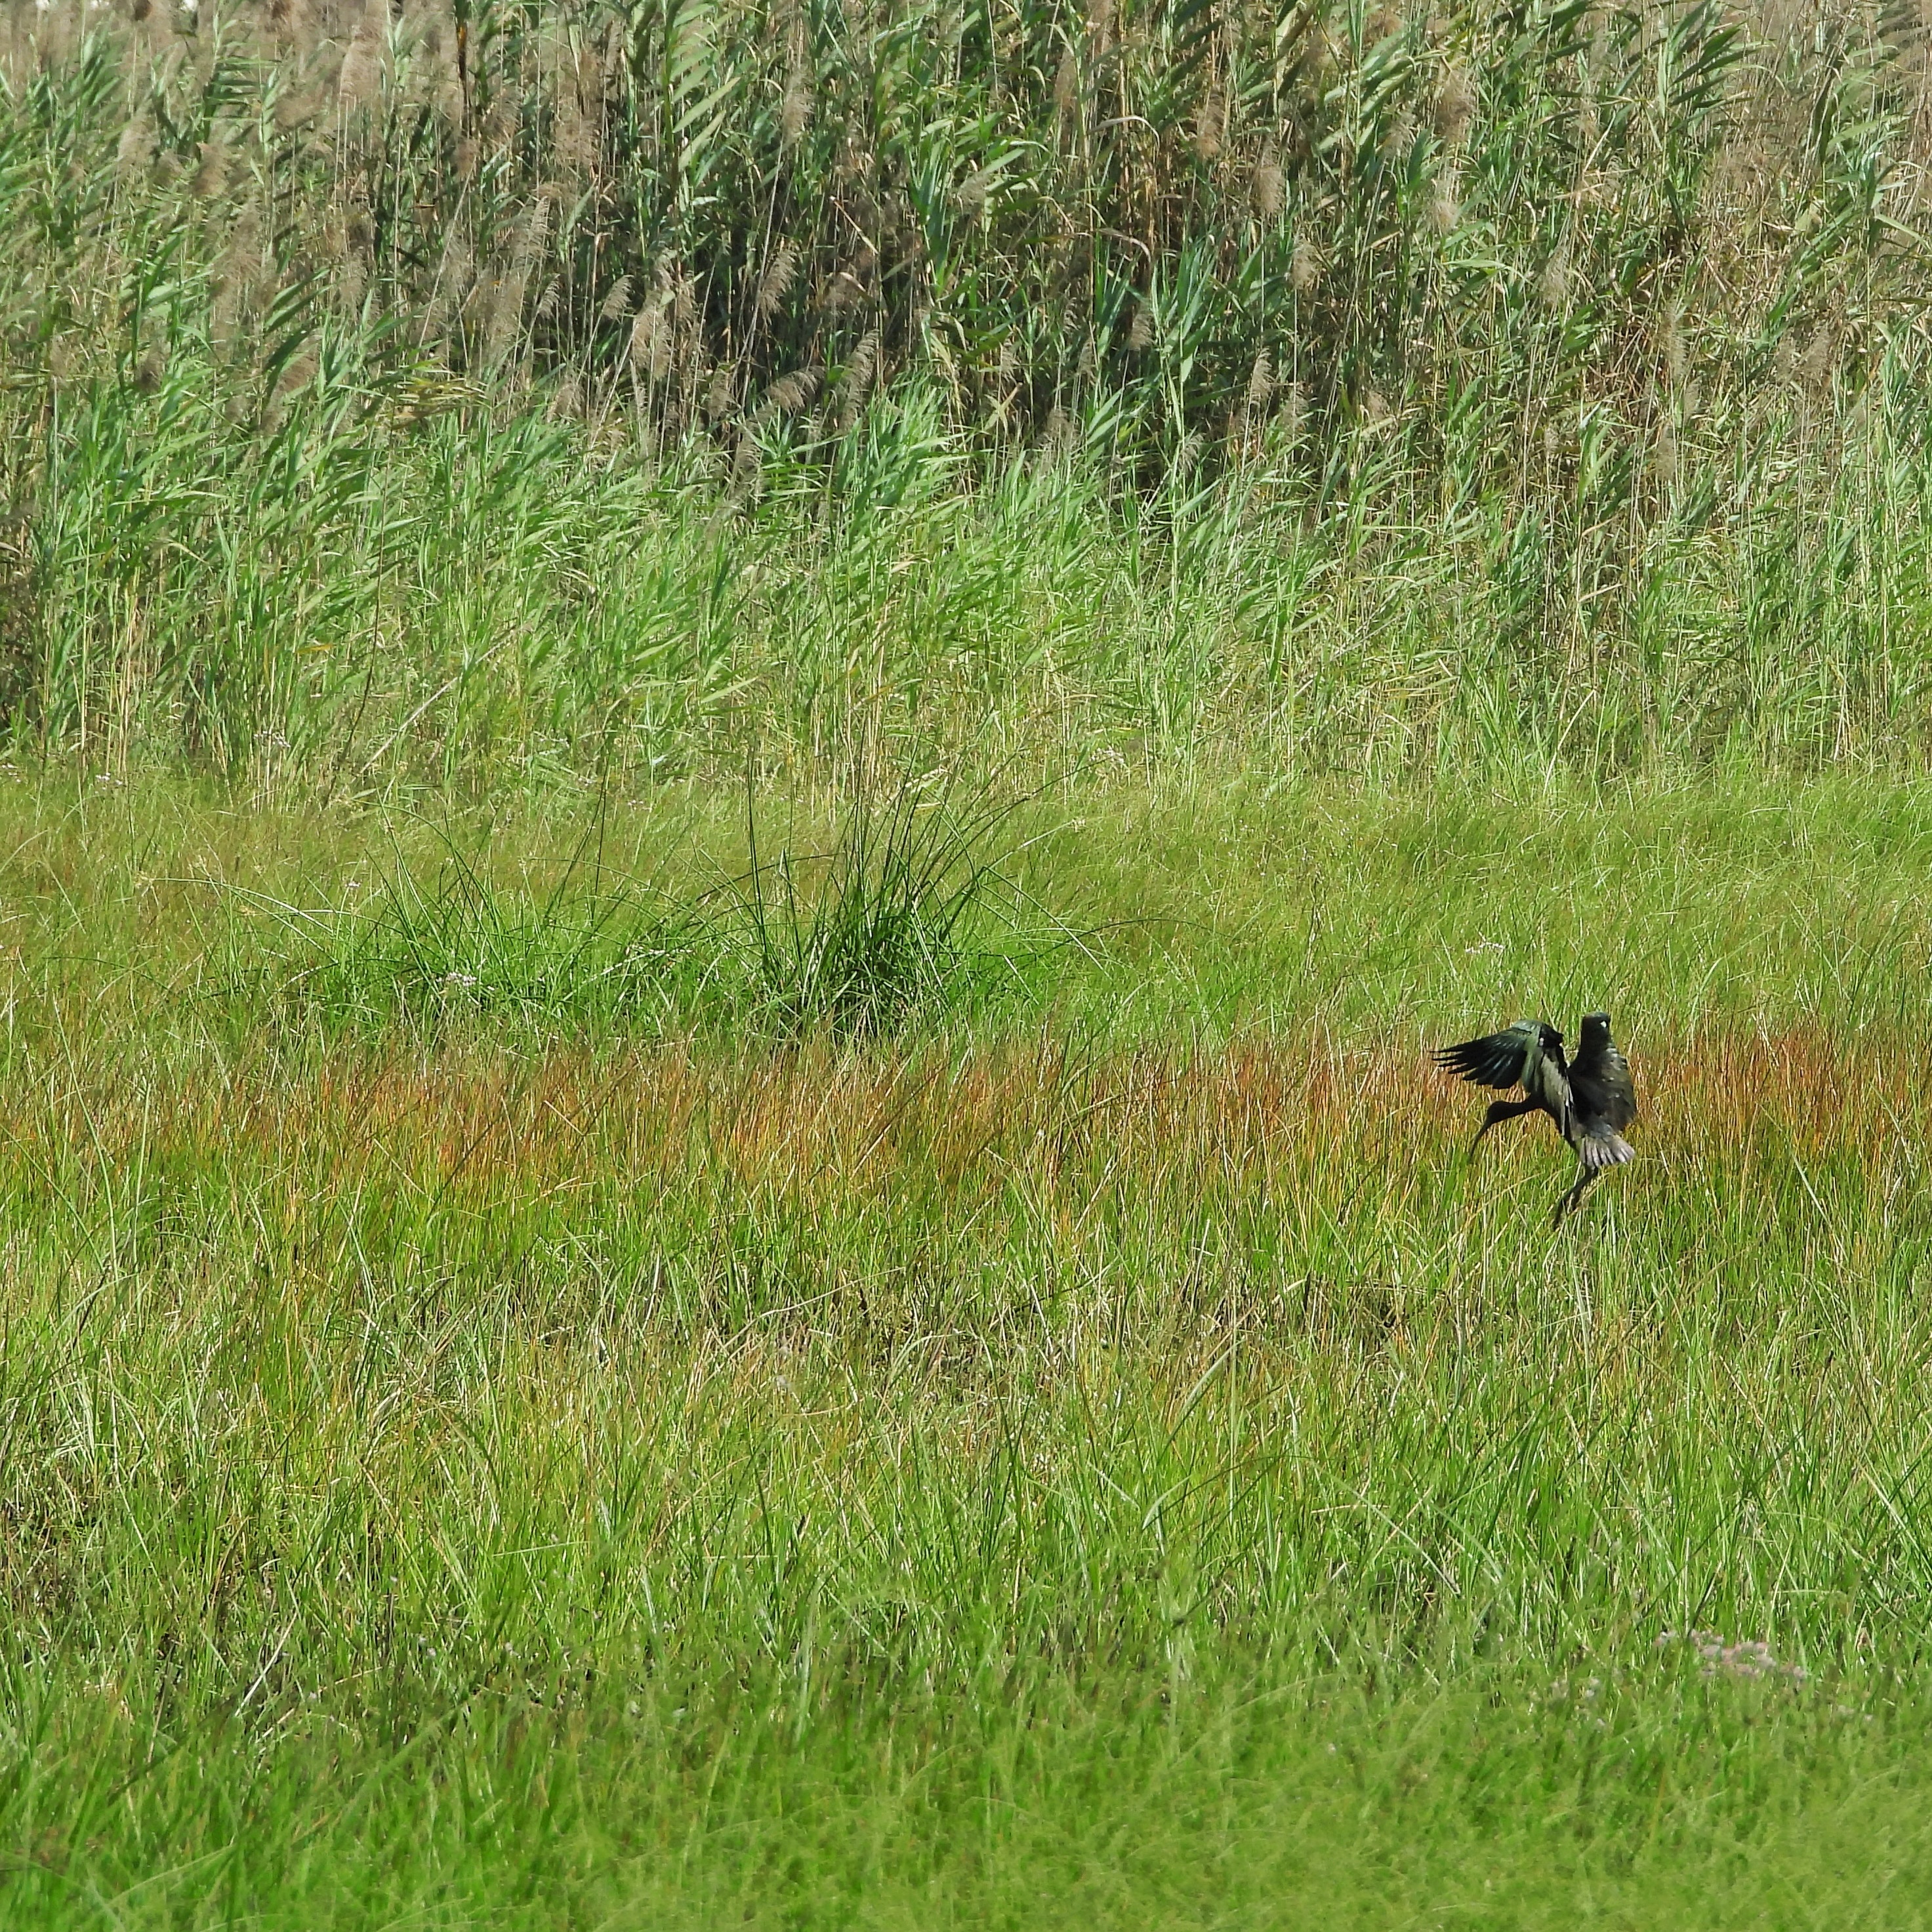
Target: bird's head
<point x="1595" y="1027"/>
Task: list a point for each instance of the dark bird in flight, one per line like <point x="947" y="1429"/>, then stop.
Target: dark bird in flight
<point x="1591" y="1099"/>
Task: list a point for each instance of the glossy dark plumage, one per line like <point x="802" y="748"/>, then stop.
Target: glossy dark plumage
<point x="1590" y="1100"/>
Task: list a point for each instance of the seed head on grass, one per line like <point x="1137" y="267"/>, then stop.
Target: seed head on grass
<point x="1455" y="105"/>
<point x="1269" y="187"/>
<point x="1750" y="1660"/>
<point x="774" y="284"/>
<point x="795" y="107"/>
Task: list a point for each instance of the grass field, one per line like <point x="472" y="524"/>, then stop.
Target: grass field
<point x="1103" y="1458"/>
<point x="746" y="749"/>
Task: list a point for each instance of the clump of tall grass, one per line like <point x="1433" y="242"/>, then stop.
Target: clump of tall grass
<point x="883" y="924"/>
<point x="1168" y="234"/>
<point x="893" y="923"/>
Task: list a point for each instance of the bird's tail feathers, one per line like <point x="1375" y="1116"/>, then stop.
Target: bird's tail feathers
<point x="1604" y="1148"/>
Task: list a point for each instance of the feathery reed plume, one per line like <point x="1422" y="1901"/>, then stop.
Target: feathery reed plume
<point x="151" y="366"/>
<point x="844" y="291"/>
<point x="860" y="371"/>
<point x="747" y="471"/>
<point x="1290" y="412"/>
<point x="576" y="133"/>
<point x="1674" y="356"/>
<point x="295" y="108"/>
<point x="361" y="80"/>
<point x="297" y="373"/>
<point x="1399" y="137"/>
<point x="1455" y="105"/>
<point x="1819" y="361"/>
<point x="648" y="350"/>
<point x="455" y="276"/>
<point x="1663" y="451"/>
<point x="796" y="104"/>
<point x="1260" y="384"/>
<point x="134" y="152"/>
<point x="1067" y="84"/>
<point x="971" y="195"/>
<point x="1210" y="128"/>
<point x="500" y="312"/>
<point x="1552" y="284"/>
<point x="1269" y="188"/>
<point x="440" y="85"/>
<point x="775" y="282"/>
<point x="1061" y="435"/>
<point x="792" y="392"/>
<point x="211" y="173"/>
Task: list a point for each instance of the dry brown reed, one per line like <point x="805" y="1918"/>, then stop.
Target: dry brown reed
<point x="1765" y="193"/>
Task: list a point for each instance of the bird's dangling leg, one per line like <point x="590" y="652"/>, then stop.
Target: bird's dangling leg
<point x="1499" y="1111"/>
<point x="1585" y="1176"/>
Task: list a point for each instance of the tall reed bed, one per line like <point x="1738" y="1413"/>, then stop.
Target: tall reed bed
<point x="1173" y="230"/>
<point x="394" y="391"/>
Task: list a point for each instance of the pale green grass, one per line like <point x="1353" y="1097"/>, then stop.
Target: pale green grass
<point x="1130" y="909"/>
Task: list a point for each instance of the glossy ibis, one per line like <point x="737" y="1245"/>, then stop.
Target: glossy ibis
<point x="1591" y="1099"/>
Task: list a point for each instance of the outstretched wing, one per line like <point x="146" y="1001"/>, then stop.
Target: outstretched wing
<point x="1506" y="1059"/>
<point x="1529" y="1055"/>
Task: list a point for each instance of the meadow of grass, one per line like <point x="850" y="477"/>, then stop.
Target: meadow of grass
<point x="1102" y="1456"/>
<point x="747" y="747"/>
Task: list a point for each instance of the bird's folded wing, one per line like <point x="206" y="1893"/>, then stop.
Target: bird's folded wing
<point x="1497" y="1059"/>
<point x="1601" y="1081"/>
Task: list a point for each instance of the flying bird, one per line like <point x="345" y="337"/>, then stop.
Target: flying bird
<point x="1591" y="1099"/>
